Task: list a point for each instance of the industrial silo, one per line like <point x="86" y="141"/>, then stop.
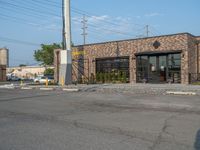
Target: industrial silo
<point x="4" y="57"/>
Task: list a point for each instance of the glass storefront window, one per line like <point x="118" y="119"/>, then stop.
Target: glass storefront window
<point x="159" y="68"/>
<point x="113" y="65"/>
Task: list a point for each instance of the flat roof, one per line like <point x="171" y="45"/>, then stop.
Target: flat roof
<point x="137" y="39"/>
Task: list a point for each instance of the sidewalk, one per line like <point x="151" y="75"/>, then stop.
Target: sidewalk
<point x="122" y="88"/>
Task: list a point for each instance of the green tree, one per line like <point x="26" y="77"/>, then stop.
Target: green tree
<point x="49" y="71"/>
<point x="22" y="65"/>
<point x="45" y="55"/>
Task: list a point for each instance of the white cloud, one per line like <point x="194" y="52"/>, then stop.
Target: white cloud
<point x="96" y="19"/>
<point x="109" y="27"/>
<point x="153" y="14"/>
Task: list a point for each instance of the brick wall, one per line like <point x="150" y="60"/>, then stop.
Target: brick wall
<point x="2" y="72"/>
<point x="56" y="64"/>
<point x="184" y="42"/>
<point x="131" y="47"/>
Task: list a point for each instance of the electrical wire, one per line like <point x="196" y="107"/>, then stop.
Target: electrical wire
<point x="10" y="40"/>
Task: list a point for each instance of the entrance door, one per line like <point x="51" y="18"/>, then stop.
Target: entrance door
<point x="157" y="68"/>
<point x="163" y="68"/>
<point x="153" y="69"/>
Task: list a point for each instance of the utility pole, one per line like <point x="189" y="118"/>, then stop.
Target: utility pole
<point x="84" y="34"/>
<point x="65" y="76"/>
<point x="147" y="30"/>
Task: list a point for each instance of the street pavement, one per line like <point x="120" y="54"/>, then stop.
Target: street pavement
<point x="99" y="118"/>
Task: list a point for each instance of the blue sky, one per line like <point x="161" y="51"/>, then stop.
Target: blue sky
<point x="37" y="21"/>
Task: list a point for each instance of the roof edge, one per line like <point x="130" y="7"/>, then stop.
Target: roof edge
<point x="137" y="39"/>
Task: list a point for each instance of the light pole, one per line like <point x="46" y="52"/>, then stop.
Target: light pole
<point x="65" y="76"/>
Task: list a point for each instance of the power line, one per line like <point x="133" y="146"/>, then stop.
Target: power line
<point x="29" y="9"/>
<point x="10" y="40"/>
<point x="76" y="10"/>
<point x="24" y="21"/>
<point x="80" y="12"/>
<point x="88" y="14"/>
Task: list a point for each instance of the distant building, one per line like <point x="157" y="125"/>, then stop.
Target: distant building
<point x="27" y="72"/>
<point x="4" y="57"/>
<point x="4" y="62"/>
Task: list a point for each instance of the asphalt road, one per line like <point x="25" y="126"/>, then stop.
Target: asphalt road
<point x="57" y="120"/>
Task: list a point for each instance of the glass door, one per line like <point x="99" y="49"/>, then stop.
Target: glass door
<point x="162" y="68"/>
<point x="159" y="68"/>
<point x="153" y="69"/>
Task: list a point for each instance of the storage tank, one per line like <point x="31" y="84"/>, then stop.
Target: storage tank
<point x="4" y="57"/>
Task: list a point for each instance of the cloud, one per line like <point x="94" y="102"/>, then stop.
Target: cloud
<point x="96" y="19"/>
<point x="110" y="27"/>
<point x="153" y="14"/>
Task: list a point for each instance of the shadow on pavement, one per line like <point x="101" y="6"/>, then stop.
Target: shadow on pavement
<point x="197" y="141"/>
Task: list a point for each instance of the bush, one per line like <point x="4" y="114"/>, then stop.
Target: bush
<point x="124" y="80"/>
<point x="97" y="76"/>
<point x="101" y="77"/>
<point x="109" y="77"/>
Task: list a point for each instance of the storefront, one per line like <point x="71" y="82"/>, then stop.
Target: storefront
<point x="171" y="58"/>
<point x="159" y="67"/>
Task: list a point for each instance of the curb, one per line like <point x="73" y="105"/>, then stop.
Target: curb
<point x="162" y="106"/>
<point x="180" y="93"/>
<point x="26" y="88"/>
<point x="47" y="89"/>
<point x="7" y="87"/>
<point x="71" y="90"/>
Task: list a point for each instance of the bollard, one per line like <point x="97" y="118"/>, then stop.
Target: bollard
<point x="47" y="83"/>
<point x="21" y="84"/>
<point x="62" y="81"/>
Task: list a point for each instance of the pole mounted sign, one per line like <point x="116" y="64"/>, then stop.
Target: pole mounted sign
<point x="65" y="73"/>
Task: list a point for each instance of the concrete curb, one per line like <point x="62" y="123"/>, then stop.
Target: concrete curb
<point x="180" y="93"/>
<point x="47" y="89"/>
<point x="70" y="90"/>
<point x="26" y="88"/>
<point x="159" y="106"/>
<point x="7" y="87"/>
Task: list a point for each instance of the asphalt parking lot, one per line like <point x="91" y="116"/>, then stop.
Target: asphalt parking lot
<point x="98" y="119"/>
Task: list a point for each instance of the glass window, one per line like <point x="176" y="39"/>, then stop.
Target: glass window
<point x="159" y="68"/>
<point x="110" y="65"/>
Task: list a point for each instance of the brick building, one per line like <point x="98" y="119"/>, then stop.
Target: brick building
<point x="161" y="59"/>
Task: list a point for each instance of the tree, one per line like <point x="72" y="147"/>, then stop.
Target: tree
<point x="49" y="71"/>
<point x="22" y="65"/>
<point x="45" y="55"/>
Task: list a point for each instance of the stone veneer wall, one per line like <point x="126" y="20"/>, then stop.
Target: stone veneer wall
<point x="2" y="72"/>
<point x="56" y="64"/>
<point x="129" y="48"/>
<point x="198" y="39"/>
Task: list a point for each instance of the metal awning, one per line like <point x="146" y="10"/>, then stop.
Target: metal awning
<point x="157" y="52"/>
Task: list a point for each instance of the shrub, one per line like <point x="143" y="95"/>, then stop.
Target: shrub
<point x="124" y="80"/>
<point x="97" y="76"/>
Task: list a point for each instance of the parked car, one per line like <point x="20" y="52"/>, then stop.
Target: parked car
<point x="13" y="78"/>
<point x="37" y="79"/>
<point x="43" y="79"/>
